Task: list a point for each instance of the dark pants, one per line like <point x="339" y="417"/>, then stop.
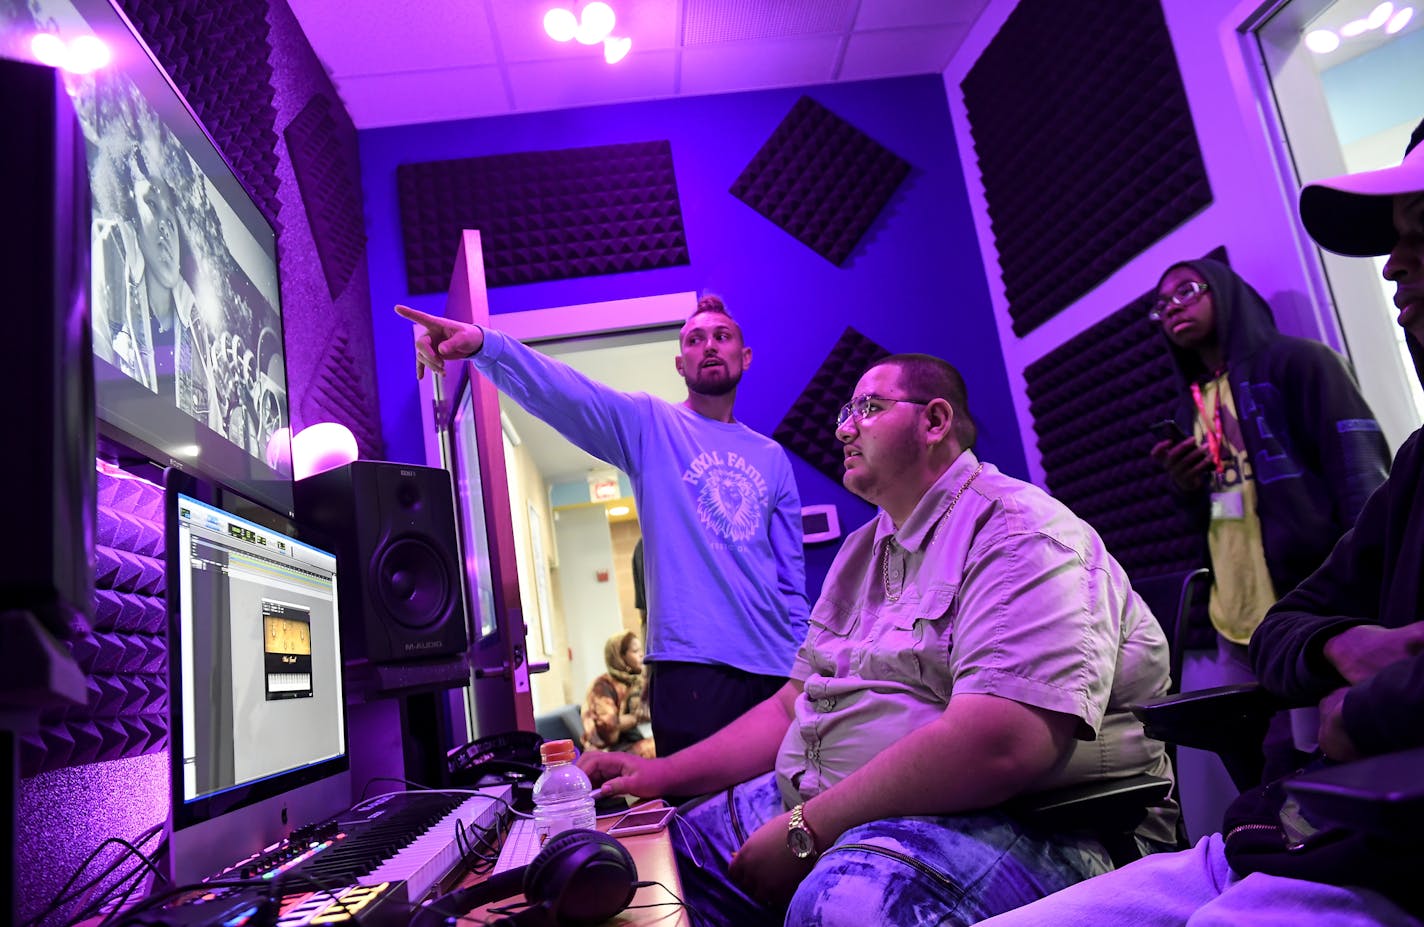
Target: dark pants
<point x="692" y="701"/>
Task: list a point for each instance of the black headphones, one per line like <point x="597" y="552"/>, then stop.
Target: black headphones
<point x="580" y="877"/>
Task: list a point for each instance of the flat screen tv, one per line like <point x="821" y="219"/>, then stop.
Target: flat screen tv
<point x="187" y="323"/>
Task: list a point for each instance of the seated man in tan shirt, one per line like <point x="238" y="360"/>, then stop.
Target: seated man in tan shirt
<point x="973" y="642"/>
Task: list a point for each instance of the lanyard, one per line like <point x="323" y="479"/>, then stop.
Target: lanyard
<point x="1211" y="424"/>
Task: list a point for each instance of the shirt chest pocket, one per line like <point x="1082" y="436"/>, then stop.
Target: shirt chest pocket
<point x="910" y="642"/>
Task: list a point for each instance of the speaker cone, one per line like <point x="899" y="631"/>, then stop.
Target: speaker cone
<point x="413" y="583"/>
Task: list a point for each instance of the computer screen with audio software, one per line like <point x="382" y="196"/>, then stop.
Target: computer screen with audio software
<point x="258" y="722"/>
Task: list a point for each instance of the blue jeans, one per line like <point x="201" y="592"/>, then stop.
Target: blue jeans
<point x="947" y="870"/>
<point x="1196" y="888"/>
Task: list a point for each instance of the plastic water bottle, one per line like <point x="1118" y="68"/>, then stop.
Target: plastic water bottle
<point x="563" y="796"/>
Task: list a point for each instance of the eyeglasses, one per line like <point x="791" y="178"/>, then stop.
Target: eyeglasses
<point x="1186" y="294"/>
<point x="864" y="406"/>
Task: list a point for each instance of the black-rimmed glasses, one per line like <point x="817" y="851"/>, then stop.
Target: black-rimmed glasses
<point x="862" y="406"/>
<point x="1184" y="296"/>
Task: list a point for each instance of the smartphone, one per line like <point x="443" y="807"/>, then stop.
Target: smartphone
<point x="1167" y="430"/>
<point x="642" y="821"/>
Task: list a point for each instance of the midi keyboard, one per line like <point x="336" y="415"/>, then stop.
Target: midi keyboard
<point x="370" y="866"/>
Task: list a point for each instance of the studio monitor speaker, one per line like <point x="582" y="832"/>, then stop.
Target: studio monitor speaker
<point x="398" y="566"/>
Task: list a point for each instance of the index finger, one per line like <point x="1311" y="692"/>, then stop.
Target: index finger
<point x="415" y="315"/>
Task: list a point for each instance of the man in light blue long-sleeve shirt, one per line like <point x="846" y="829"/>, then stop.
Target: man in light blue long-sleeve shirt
<point x="723" y="548"/>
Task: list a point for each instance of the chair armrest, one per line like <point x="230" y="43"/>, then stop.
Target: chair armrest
<point x="1210" y="719"/>
<point x="1382" y="795"/>
<point x="1229" y="721"/>
<point x="1107" y="804"/>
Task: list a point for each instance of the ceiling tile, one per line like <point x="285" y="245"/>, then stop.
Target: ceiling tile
<point x="376" y="38"/>
<point x="755" y="65"/>
<point x="896" y="14"/>
<point x="519" y="24"/>
<point x="896" y="52"/>
<point x="588" y="80"/>
<point x="423" y="96"/>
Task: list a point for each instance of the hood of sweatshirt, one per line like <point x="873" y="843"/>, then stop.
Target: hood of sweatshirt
<point x="1244" y="321"/>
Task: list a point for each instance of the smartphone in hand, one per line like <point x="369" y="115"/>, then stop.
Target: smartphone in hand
<point x="1167" y="430"/>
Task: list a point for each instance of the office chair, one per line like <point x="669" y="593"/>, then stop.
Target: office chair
<point x="1380" y="795"/>
<point x="1172" y="598"/>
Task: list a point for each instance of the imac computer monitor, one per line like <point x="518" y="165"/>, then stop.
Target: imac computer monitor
<point x="257" y="734"/>
<point x="189" y="364"/>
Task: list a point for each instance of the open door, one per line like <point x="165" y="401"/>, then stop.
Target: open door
<point x="460" y="415"/>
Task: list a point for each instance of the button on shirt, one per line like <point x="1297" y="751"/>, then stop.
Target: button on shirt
<point x="1010" y="595"/>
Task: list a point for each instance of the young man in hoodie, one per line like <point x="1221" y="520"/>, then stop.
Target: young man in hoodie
<point x="1349" y="637"/>
<point x="1278" y="444"/>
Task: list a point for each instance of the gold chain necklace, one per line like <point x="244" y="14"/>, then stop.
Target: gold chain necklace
<point x="885" y="557"/>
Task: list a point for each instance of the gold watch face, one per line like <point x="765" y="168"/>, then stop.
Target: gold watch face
<point x="801" y="842"/>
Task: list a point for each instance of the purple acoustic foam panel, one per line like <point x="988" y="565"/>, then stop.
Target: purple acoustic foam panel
<point x="820" y="179"/>
<point x="217" y="52"/>
<point x="125" y="652"/>
<point x="1092" y="400"/>
<point x="338" y="393"/>
<point x="1085" y="145"/>
<point x="319" y="141"/>
<point x="543" y="215"/>
<point x="808" y="429"/>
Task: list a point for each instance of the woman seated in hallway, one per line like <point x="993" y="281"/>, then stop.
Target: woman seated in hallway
<point x="614" y="706"/>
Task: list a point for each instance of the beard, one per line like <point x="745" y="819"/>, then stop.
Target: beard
<point x="712" y="383"/>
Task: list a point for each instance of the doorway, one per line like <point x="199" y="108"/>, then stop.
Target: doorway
<point x="574" y="516"/>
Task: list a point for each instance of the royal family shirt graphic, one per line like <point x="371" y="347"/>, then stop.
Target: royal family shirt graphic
<point x="731" y="495"/>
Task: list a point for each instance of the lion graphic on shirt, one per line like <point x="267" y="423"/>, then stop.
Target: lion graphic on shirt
<point x="727" y="504"/>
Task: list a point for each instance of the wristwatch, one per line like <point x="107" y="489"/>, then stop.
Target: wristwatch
<point x="799" y="838"/>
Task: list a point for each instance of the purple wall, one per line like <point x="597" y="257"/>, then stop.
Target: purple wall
<point x="914" y="283"/>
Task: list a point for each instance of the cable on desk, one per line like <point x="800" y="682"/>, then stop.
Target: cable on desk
<point x="692" y="913"/>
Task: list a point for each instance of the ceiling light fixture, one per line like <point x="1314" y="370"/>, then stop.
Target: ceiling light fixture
<point x="1380" y="15"/>
<point x="615" y="50"/>
<point x="84" y="54"/>
<point x="1400" y="20"/>
<point x="1322" y="41"/>
<point x="595" y="23"/>
<point x="561" y="24"/>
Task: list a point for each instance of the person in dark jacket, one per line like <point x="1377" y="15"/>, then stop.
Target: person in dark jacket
<point x="1349" y="636"/>
<point x="1277" y="442"/>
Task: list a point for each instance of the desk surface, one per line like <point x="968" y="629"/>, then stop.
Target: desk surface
<point x="652" y="855"/>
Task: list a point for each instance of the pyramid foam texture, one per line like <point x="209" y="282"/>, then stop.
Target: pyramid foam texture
<point x="809" y="428"/>
<point x="218" y="53"/>
<point x="1093" y="400"/>
<point x="339" y="393"/>
<point x="124" y="653"/>
<point x="543" y="215"/>
<point x="821" y="179"/>
<point x="323" y="159"/>
<point x="1085" y="145"/>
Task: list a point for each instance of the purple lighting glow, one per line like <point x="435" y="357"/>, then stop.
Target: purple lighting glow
<point x="1400" y="20"/>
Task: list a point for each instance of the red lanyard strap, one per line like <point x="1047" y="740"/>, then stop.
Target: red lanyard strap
<point x="1211" y="424"/>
